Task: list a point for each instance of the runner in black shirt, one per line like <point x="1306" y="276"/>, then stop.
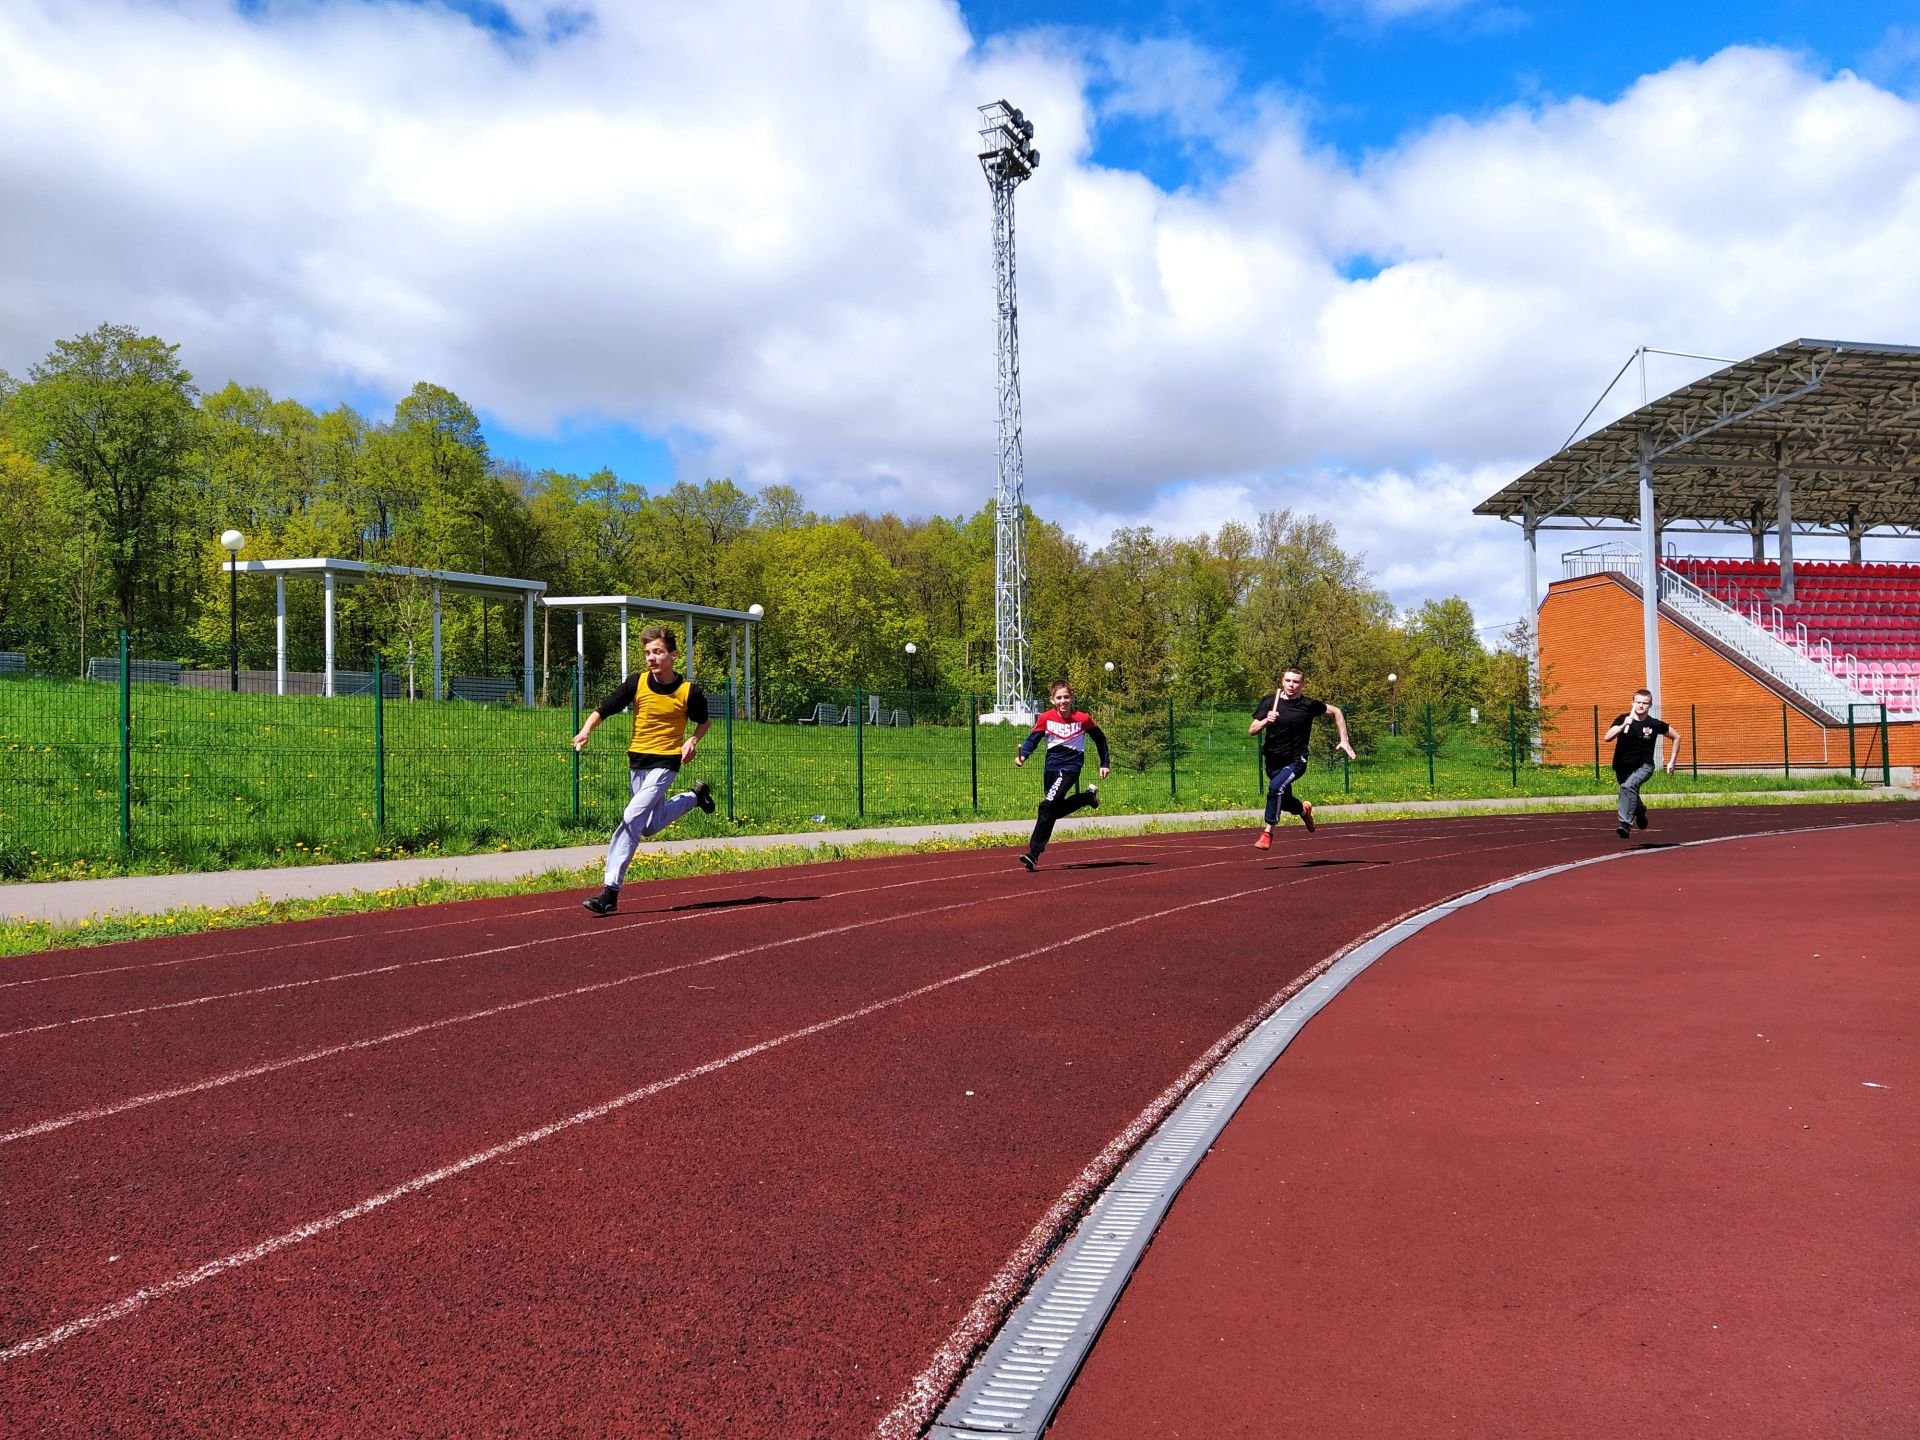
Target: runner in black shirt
<point x="1286" y="719"/>
<point x="1636" y="751"/>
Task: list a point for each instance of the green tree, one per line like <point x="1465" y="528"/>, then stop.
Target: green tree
<point x="1449" y="664"/>
<point x="111" y="415"/>
<point x="837" y="617"/>
<point x="28" y="519"/>
<point x="1128" y="595"/>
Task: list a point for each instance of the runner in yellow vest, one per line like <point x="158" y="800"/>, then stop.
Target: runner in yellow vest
<point x="663" y="703"/>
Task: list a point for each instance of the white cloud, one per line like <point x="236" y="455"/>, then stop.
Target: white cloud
<point x="760" y="229"/>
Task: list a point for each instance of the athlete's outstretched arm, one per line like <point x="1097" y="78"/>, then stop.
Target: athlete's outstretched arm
<point x="1340" y="723"/>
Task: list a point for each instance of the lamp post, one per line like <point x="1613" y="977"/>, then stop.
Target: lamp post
<point x="912" y="650"/>
<point x="1394" y="681"/>
<point x="232" y="541"/>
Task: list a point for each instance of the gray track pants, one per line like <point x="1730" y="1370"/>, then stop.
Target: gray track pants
<point x="1630" y="793"/>
<point x="647" y="813"/>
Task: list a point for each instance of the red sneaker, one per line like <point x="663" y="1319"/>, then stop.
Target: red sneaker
<point x="1306" y="815"/>
<point x="1265" y="842"/>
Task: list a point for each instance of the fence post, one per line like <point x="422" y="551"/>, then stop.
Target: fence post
<point x="859" y="755"/>
<point x="1693" y="734"/>
<point x="1429" y="709"/>
<point x="578" y="681"/>
<point x="973" y="744"/>
<point x="1596" y="742"/>
<point x="1786" y="751"/>
<point x="731" y="702"/>
<point x="1513" y="745"/>
<point x="379" y="747"/>
<point x="126" y="752"/>
<point x="1173" y="776"/>
<point x="1886" y="760"/>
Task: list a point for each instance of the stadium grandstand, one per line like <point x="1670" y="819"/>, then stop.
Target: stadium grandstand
<point x="1810" y="665"/>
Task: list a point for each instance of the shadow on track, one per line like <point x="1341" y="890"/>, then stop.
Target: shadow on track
<point x="736" y="904"/>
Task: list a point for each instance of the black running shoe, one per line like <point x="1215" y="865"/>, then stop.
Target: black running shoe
<point x="1093" y="797"/>
<point x="1026" y="860"/>
<point x="1640" y="816"/>
<point x="605" y="903"/>
<point x="703" y="793"/>
<point x="1622" y="832"/>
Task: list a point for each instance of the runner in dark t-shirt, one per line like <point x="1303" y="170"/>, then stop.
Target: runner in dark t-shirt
<point x="1636" y="754"/>
<point x="1284" y="720"/>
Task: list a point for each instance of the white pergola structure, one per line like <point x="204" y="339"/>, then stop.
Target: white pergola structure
<point x="1812" y="437"/>
<point x="334" y="573"/>
<point x="629" y="605"/>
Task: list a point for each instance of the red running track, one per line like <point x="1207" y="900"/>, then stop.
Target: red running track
<point x="1624" y="1151"/>
<point x="760" y="1156"/>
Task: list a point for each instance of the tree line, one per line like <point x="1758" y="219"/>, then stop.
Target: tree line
<point x="118" y="474"/>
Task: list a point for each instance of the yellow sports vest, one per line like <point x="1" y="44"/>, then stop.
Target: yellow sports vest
<point x="659" y="721"/>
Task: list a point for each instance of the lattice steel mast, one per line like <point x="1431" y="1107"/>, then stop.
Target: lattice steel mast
<point x="1008" y="157"/>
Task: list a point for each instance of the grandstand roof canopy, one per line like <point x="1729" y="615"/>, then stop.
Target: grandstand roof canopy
<point x="1841" y="419"/>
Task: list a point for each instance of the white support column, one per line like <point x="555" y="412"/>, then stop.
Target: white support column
<point x="1649" y="574"/>
<point x="326" y="674"/>
<point x="1532" y="529"/>
<point x="437" y="691"/>
<point x="689" y="651"/>
<point x="526" y="649"/>
<point x="580" y="642"/>
<point x="625" y="669"/>
<point x="280" y="634"/>
<point x="1784" y="513"/>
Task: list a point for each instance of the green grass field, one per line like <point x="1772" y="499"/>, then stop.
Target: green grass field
<point x="220" y="781"/>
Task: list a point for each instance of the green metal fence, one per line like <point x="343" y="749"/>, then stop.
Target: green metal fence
<point x="152" y="755"/>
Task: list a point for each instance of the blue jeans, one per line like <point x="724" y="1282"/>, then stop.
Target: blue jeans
<point x="1280" y="794"/>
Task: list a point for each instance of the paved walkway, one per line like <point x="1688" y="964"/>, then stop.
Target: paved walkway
<point x="70" y="900"/>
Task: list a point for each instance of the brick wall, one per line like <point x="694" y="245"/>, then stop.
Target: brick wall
<point x="1590" y="649"/>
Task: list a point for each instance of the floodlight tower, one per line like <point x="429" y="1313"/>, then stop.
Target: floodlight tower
<point x="1008" y="157"/>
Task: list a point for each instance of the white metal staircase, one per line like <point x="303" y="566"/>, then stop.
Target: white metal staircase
<point x="1752" y="642"/>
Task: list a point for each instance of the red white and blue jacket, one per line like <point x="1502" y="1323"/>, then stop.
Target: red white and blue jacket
<point x="1066" y="739"/>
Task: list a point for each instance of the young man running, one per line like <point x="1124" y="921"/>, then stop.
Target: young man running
<point x="1286" y="719"/>
<point x="1636" y="751"/>
<point x="662" y="706"/>
<point x="1065" y="730"/>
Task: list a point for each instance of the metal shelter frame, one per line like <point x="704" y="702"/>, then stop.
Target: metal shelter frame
<point x="627" y="605"/>
<point x="1812" y="437"/>
<point x="333" y="572"/>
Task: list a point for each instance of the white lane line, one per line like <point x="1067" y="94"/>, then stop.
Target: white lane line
<point x="251" y="950"/>
<point x="591" y="928"/>
<point x="697" y="886"/>
<point x="234" y="1260"/>
<point x="269" y="1067"/>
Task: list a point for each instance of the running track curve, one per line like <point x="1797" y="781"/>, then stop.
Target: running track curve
<point x="766" y="1154"/>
